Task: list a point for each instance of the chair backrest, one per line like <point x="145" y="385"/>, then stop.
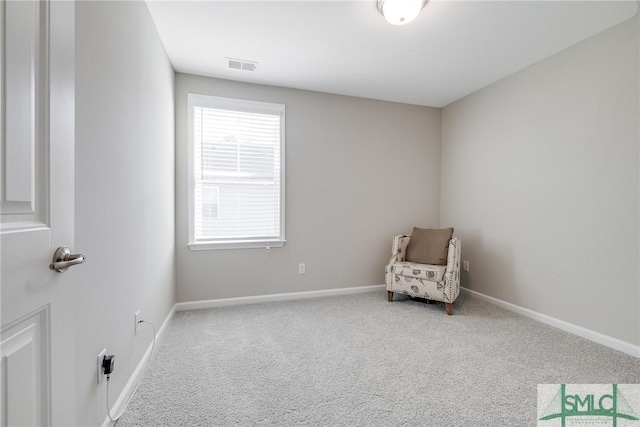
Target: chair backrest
<point x="399" y="246"/>
<point x="453" y="255"/>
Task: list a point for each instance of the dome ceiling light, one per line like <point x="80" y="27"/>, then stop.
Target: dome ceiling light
<point x="400" y="12"/>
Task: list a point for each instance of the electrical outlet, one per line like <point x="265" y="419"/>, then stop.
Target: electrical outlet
<point x="100" y="372"/>
<point x="136" y="318"/>
<point x="302" y="269"/>
<point x="465" y="265"/>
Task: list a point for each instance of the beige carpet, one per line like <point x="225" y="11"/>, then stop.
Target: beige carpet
<point x="360" y="361"/>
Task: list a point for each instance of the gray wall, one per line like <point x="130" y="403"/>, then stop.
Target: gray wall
<point x="357" y="172"/>
<point x="540" y="179"/>
<point x="124" y="192"/>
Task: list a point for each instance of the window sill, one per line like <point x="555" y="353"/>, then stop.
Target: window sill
<point x="249" y="244"/>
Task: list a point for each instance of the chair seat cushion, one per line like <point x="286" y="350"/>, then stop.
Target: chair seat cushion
<point x="432" y="273"/>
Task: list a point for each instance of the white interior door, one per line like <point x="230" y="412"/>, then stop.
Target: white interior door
<point x="37" y="211"/>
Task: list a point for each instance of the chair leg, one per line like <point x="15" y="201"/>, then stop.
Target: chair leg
<point x="389" y="296"/>
<point x="449" y="308"/>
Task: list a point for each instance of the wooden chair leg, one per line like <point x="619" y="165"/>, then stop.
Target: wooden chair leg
<point x="449" y="308"/>
<point x="389" y="296"/>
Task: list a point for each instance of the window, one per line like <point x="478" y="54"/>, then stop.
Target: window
<point x="236" y="173"/>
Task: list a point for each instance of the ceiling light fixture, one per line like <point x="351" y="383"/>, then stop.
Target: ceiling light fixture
<point x="400" y="12"/>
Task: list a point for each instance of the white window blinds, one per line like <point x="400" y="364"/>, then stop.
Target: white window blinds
<point x="237" y="151"/>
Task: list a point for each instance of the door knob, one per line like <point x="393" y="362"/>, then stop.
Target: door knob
<point x="63" y="259"/>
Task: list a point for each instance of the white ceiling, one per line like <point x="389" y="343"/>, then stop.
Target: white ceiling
<point x="452" y="49"/>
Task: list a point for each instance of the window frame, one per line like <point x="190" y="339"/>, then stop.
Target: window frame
<point x="231" y="104"/>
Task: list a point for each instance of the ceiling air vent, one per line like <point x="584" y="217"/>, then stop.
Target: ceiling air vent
<point x="241" y="64"/>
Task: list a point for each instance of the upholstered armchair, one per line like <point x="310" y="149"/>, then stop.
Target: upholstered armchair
<point x="432" y="282"/>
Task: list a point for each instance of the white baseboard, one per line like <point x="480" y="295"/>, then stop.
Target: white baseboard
<point x="597" y="337"/>
<point x="134" y="380"/>
<point x="225" y="302"/>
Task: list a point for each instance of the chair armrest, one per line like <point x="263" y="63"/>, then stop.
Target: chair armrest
<point x="452" y="272"/>
<point x="398" y="251"/>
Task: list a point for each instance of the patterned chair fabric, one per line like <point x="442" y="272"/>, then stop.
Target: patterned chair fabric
<point x="433" y="273"/>
<point x="433" y="282"/>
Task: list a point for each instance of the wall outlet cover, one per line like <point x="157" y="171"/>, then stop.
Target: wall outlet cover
<point x="136" y="325"/>
<point x="100" y="357"/>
